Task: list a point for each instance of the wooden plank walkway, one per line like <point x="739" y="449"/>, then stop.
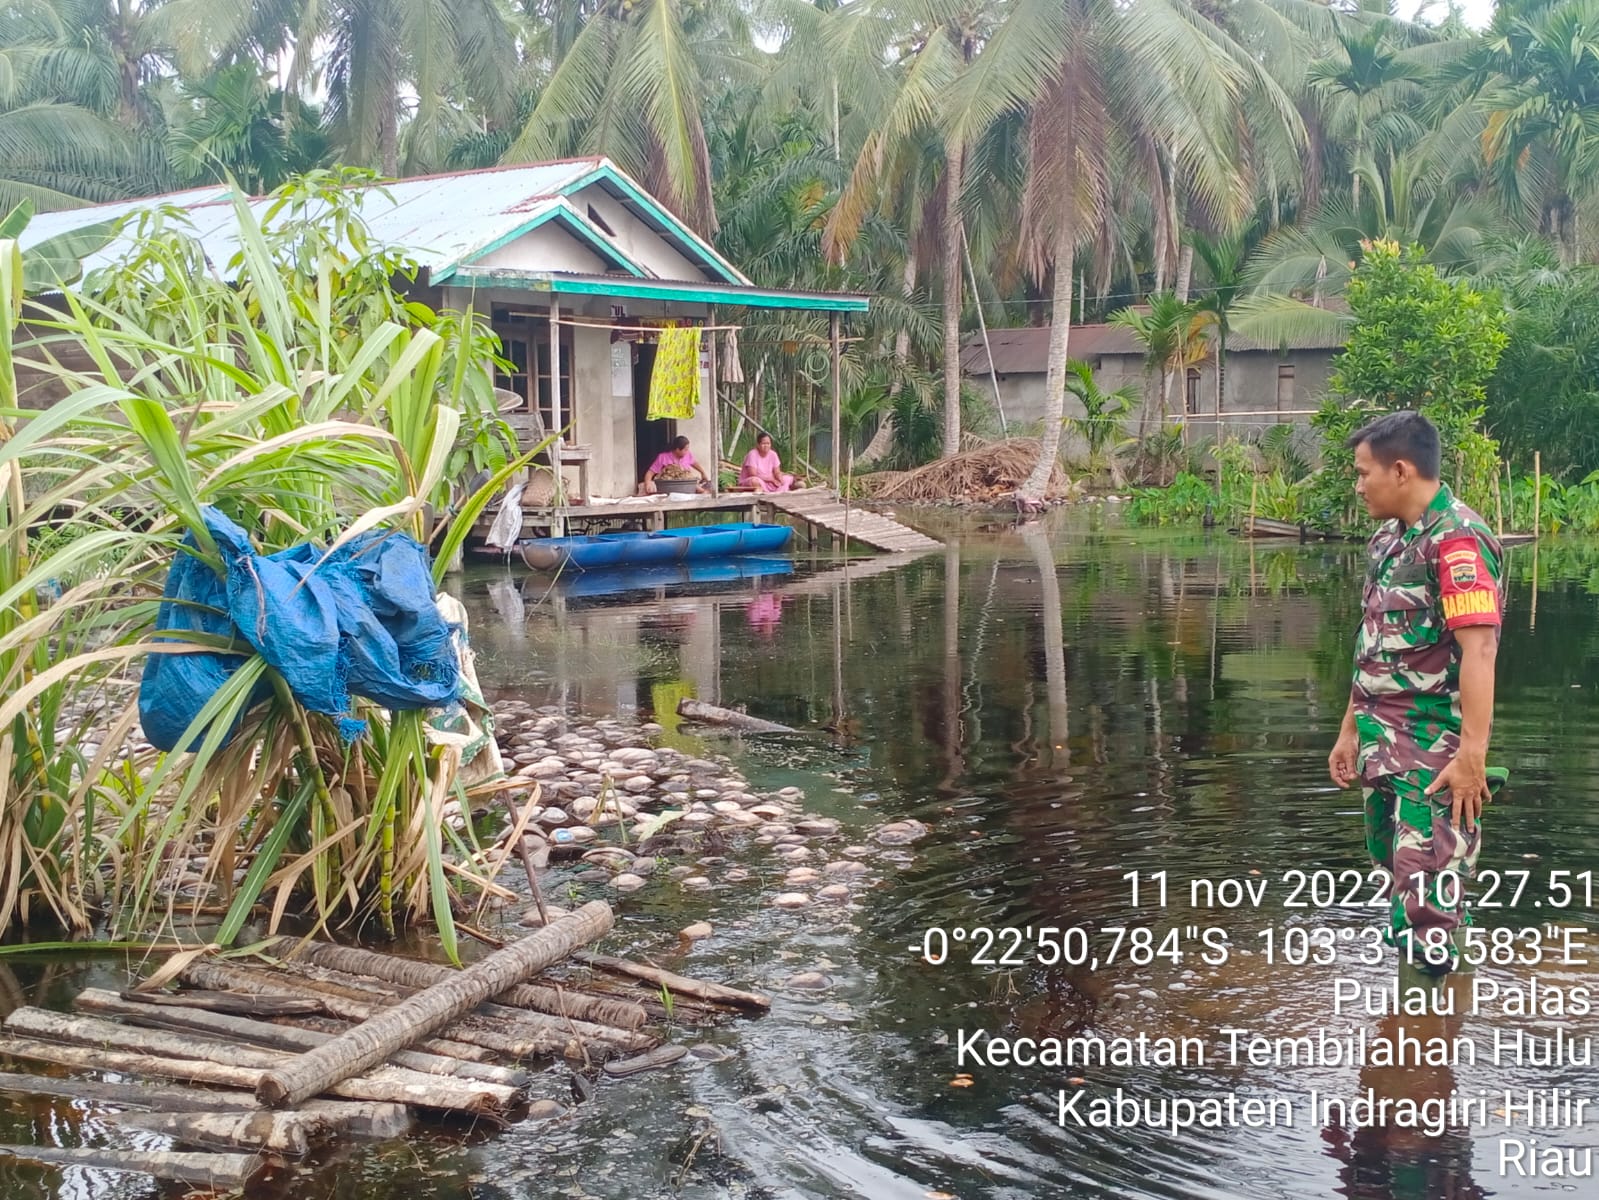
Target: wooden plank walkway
<point x="820" y="508"/>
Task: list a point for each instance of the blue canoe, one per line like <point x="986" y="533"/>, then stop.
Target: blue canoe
<point x="694" y="543"/>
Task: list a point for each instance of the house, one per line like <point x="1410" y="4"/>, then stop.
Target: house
<point x="576" y="267"/>
<point x="1263" y="385"/>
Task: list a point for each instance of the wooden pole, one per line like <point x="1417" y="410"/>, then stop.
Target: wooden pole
<point x="395" y="1085"/>
<point x="408" y="972"/>
<point x="715" y="413"/>
<point x="1499" y="508"/>
<point x="1510" y="495"/>
<point x="837" y="388"/>
<point x="711" y="714"/>
<point x="1537" y="491"/>
<point x="213" y="1172"/>
<point x="698" y="988"/>
<point x="292" y="1134"/>
<point x="356" y="1118"/>
<point x="282" y="1037"/>
<point x="556" y="423"/>
<point x="430" y="1009"/>
<point x="512" y="1042"/>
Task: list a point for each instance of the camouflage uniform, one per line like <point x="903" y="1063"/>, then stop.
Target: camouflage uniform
<point x="1422" y="583"/>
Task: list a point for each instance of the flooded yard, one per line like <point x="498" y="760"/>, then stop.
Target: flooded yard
<point x="1062" y="705"/>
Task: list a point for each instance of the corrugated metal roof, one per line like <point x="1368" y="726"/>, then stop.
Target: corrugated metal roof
<point x="1025" y="350"/>
<point x="440" y="220"/>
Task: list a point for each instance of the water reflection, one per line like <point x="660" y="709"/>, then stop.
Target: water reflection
<point x="1066" y="703"/>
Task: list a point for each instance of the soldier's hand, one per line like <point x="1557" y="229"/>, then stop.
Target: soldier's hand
<point x="1466" y="777"/>
<point x="1341" y="762"/>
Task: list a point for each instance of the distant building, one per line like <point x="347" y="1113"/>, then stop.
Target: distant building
<point x="1263" y="385"/>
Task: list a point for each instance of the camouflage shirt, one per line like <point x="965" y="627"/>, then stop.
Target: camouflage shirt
<point x="1422" y="583"/>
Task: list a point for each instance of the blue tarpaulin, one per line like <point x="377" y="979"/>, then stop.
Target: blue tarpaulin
<point x="360" y="622"/>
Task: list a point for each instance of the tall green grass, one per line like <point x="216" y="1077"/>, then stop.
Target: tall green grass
<point x="296" y="390"/>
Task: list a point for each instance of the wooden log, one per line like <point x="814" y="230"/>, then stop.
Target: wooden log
<point x="198" y="1060"/>
<point x="431" y="1009"/>
<point x="440" y="1046"/>
<point x="515" y="1044"/>
<point x="215" y="1172"/>
<point x="292" y="1134"/>
<point x="411" y="973"/>
<point x="653" y="1060"/>
<point x="351" y="1117"/>
<point x="282" y="1037"/>
<point x="503" y="1017"/>
<point x="698" y="988"/>
<point x="711" y="714"/>
<point x="237" y="1003"/>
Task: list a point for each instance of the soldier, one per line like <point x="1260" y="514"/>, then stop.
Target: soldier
<point x="1421" y="706"/>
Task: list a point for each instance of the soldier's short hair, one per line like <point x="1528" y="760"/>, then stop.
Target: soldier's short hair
<point x="1401" y="435"/>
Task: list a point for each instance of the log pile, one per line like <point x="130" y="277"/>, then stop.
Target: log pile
<point x="248" y="1066"/>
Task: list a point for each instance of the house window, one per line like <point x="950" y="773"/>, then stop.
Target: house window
<point x="1191" y="395"/>
<point x="525" y="344"/>
<point x="1285" y="388"/>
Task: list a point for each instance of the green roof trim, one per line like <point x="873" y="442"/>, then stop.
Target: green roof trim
<point x="658" y="289"/>
<point x="562" y="212"/>
<point x="707" y="253"/>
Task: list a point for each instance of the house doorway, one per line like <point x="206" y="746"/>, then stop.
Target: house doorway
<point x="649" y="437"/>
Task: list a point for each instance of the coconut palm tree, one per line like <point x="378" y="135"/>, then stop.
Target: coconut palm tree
<point x="630" y="84"/>
<point x="75" y="122"/>
<point x="933" y="42"/>
<point x="375" y="58"/>
<point x="1093" y="75"/>
<point x="1533" y="95"/>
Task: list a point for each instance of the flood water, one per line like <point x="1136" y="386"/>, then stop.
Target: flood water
<point x="1063" y="705"/>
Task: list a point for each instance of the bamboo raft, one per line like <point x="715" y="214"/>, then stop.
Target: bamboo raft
<point x="255" y="1065"/>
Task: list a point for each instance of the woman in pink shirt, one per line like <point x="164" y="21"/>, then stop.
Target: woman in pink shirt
<point x="763" y="470"/>
<point x="679" y="457"/>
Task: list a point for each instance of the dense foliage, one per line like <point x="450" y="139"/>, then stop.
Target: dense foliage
<point x="1218" y="170"/>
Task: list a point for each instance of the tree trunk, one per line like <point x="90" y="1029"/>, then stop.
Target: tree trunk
<point x="349" y="1117"/>
<point x="388" y="1084"/>
<point x="444" y="1095"/>
<point x="954" y="230"/>
<point x="698" y="988"/>
<point x="213" y="1172"/>
<point x="511" y="1039"/>
<point x="409" y="972"/>
<point x="292" y="1134"/>
<point x="283" y="1037"/>
<point x="711" y="714"/>
<point x="883" y="440"/>
<point x="389" y="138"/>
<point x="355" y="1118"/>
<point x="1060" y="324"/>
<point x="1185" y="271"/>
<point x="1054" y="645"/>
<point x="431" y="1009"/>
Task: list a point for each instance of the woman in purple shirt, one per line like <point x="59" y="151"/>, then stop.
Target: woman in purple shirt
<point x="679" y="457"/>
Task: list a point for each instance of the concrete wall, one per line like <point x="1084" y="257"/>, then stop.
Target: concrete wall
<point x="1251" y="403"/>
<point x="552" y="246"/>
<point x="636" y="239"/>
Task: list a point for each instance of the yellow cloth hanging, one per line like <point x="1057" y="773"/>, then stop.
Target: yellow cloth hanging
<point x="675" y="380"/>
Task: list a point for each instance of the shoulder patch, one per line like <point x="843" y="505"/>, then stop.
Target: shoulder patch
<point x="1470" y="593"/>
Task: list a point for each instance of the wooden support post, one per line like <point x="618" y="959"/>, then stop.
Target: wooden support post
<point x="557" y="423"/>
<point x="715" y="412"/>
<point x="837" y="390"/>
<point x="430" y="1009"/>
<point x="1537" y="490"/>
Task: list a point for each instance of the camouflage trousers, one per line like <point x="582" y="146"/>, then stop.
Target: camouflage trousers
<point x="1410" y="834"/>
